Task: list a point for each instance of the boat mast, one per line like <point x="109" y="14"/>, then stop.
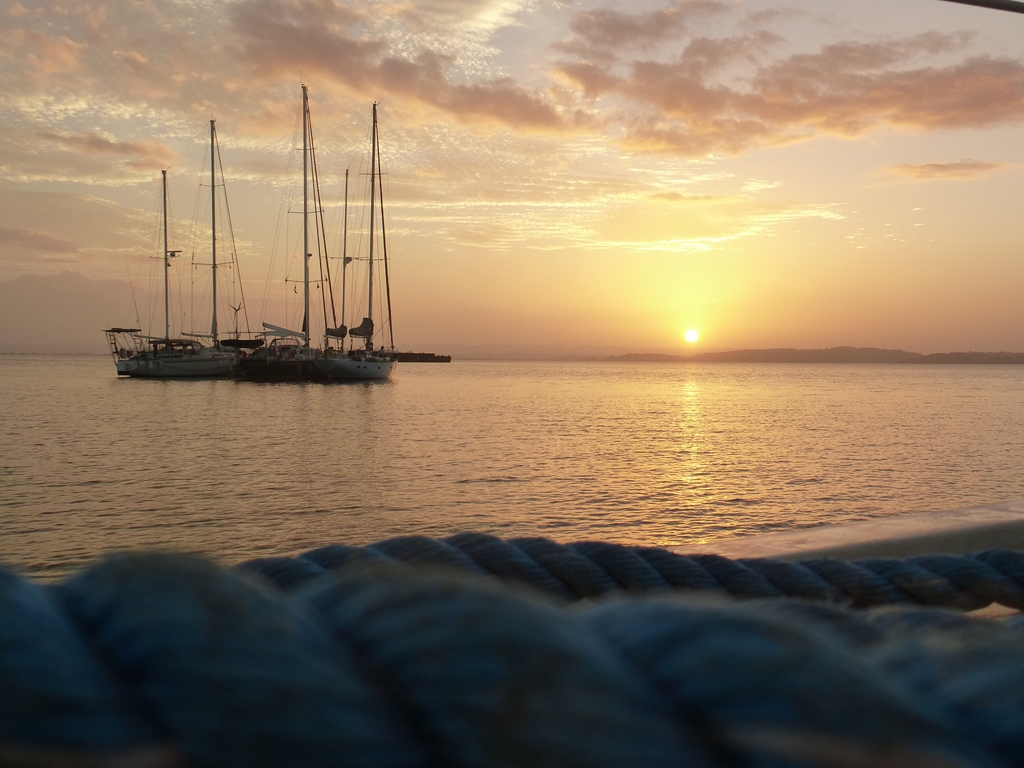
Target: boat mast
<point x="344" y="252"/>
<point x="373" y="179"/>
<point x="167" y="294"/>
<point x="213" y="224"/>
<point x="305" y="213"/>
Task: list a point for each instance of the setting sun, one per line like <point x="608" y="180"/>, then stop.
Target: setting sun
<point x="691" y="336"/>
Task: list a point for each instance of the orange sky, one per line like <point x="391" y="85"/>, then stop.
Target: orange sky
<point x="593" y="176"/>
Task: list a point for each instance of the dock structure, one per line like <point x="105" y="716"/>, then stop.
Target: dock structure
<point x="423" y="357"/>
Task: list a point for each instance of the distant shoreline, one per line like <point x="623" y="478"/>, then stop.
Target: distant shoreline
<point x="830" y="355"/>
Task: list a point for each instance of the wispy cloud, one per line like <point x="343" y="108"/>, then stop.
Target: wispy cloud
<point x="965" y="169"/>
<point x="730" y="93"/>
<point x="605" y="33"/>
<point x="677" y="197"/>
<point x="281" y="39"/>
<point x="39" y="241"/>
<point x="138" y="154"/>
<point x="655" y="80"/>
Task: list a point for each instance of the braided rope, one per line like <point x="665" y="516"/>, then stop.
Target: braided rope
<point x="590" y="569"/>
<point x="164" y="660"/>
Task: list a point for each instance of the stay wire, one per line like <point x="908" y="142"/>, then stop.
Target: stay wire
<point x="321" y="238"/>
<point x="234" y="248"/>
<point x="384" y="247"/>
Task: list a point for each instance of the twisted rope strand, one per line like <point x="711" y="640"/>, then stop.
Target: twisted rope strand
<point x="591" y="569"/>
<point x="164" y="660"/>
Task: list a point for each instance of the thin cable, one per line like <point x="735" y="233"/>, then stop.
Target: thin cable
<point x="234" y="249"/>
<point x="321" y="250"/>
<point x="321" y="231"/>
<point x="384" y="247"/>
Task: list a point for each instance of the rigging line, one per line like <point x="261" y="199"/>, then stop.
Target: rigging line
<point x="194" y="273"/>
<point x="996" y="5"/>
<point x="231" y="232"/>
<point x="337" y="213"/>
<point x="321" y="229"/>
<point x="281" y="217"/>
<point x="316" y="208"/>
<point x="192" y="241"/>
<point x="187" y="146"/>
<point x="344" y="252"/>
<point x="387" y="192"/>
<point x="131" y="285"/>
<point x="174" y="243"/>
<point x="362" y="235"/>
<point x="293" y="242"/>
<point x="323" y="233"/>
<point x="192" y="293"/>
<point x="148" y="266"/>
<point x="384" y="244"/>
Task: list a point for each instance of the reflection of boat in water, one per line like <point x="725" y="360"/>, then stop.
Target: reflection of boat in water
<point x="141" y="356"/>
<point x="289" y="356"/>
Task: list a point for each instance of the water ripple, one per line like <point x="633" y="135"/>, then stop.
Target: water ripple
<point x="640" y="454"/>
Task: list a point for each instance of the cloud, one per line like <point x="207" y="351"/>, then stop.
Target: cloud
<point x="685" y="105"/>
<point x="965" y="169"/>
<point x="133" y="57"/>
<point x="653" y="224"/>
<point x="53" y="54"/>
<point x="602" y="33"/>
<point x="116" y="55"/>
<point x="90" y="72"/>
<point x="280" y="38"/>
<point x="141" y="155"/>
<point x="39" y="241"/>
<point x="677" y="197"/>
<point x="848" y="88"/>
<point x="40" y="231"/>
<point x="475" y="16"/>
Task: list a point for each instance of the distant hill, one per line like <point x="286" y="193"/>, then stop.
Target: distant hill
<point x="830" y="355"/>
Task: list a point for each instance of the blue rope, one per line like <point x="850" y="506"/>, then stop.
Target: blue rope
<point x="366" y="658"/>
<point x="590" y="569"/>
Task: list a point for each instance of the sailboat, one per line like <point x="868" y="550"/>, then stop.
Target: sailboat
<point x="289" y="356"/>
<point x="139" y="356"/>
<point x="365" y="362"/>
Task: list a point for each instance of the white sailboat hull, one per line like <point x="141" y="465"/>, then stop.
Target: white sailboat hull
<point x="354" y="369"/>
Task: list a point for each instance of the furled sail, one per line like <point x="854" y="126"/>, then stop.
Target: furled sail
<point x="336" y="333"/>
<point x="364" y="330"/>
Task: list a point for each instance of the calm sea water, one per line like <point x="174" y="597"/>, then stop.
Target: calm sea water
<point x="664" y="454"/>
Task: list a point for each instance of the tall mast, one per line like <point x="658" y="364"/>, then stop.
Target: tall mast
<point x="167" y="295"/>
<point x="344" y="251"/>
<point x="305" y="213"/>
<point x="373" y="179"/>
<point x="213" y="224"/>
